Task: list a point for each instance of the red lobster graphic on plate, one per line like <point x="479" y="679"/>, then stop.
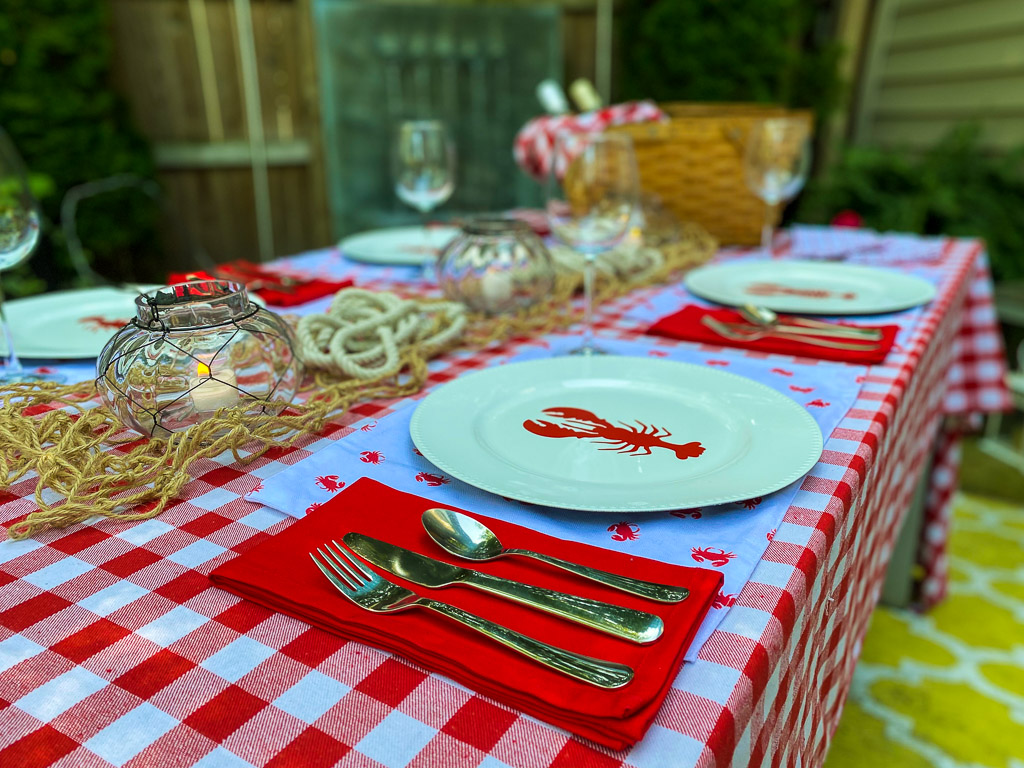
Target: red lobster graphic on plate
<point x="774" y="289"/>
<point x="99" y="323"/>
<point x="579" y="423"/>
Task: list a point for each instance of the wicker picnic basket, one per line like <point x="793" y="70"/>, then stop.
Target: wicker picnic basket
<point x="694" y="163"/>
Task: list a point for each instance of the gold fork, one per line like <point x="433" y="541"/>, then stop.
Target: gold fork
<point x="374" y="593"/>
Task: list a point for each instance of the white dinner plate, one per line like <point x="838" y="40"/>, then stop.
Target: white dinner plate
<point x="720" y="437"/>
<point x="399" y="245"/>
<point x="810" y="287"/>
<point x="71" y="325"/>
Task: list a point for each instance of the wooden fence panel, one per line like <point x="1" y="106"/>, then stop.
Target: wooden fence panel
<point x="179" y="64"/>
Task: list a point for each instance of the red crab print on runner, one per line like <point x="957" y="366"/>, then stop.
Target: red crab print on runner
<point x="722" y="363"/>
<point x="694" y="514"/>
<point x="771" y="534"/>
<point x="431" y="479"/>
<point x="371" y="457"/>
<point x="819" y="403"/>
<point x="99" y="323"/>
<point x="782" y="372"/>
<point x="657" y="353"/>
<point x="624" y="531"/>
<point x="749" y="503"/>
<point x="717" y="556"/>
<point x="368" y="427"/>
<point x="313" y="507"/>
<point x="258" y="488"/>
<point x="579" y="423"/>
<point x="804" y="390"/>
<point x="774" y="289"/>
<point x="723" y="600"/>
<point x="330" y="483"/>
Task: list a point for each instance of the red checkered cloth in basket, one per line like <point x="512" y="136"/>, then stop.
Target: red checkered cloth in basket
<point x="534" y="146"/>
<point x="115" y="650"/>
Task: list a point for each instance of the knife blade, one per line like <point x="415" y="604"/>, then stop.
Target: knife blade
<point x="626" y="623"/>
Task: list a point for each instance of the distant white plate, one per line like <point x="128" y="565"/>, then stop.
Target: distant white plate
<point x="615" y="434"/>
<point x="71" y="325"/>
<point x="810" y="287"/>
<point x="398" y="245"/>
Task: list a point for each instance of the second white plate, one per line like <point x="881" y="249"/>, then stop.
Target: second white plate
<point x="399" y="245"/>
<point x="809" y="287"/>
<point x="71" y="325"/>
<point x="613" y="434"/>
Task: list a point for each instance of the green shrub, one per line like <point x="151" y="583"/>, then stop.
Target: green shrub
<point x="955" y="188"/>
<point x="59" y="107"/>
<point x="775" y="51"/>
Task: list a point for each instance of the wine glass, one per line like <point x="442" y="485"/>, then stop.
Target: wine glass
<point x="19" y="235"/>
<point x="423" y="165"/>
<point x="592" y="194"/>
<point x="775" y="164"/>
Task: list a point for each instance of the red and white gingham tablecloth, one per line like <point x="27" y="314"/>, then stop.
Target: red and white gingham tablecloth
<point x="116" y="651"/>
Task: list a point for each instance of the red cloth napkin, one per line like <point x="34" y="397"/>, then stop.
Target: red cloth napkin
<point x="686" y="325"/>
<point x="305" y="289"/>
<point x="279" y="574"/>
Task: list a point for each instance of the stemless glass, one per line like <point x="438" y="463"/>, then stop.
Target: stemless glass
<point x="592" y="193"/>
<point x="775" y="164"/>
<point x="19" y="235"/>
<point x="423" y="165"/>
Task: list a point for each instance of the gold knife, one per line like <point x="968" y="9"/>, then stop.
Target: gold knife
<point x="627" y="623"/>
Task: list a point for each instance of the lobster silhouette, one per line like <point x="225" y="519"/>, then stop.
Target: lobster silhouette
<point x="579" y="423"/>
<point x="774" y="289"/>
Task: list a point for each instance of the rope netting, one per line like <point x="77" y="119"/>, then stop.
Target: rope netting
<point x="87" y="463"/>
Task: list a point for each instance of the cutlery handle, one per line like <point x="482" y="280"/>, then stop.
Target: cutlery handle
<point x="604" y="674"/>
<point x="663" y="593"/>
<point x="638" y="626"/>
<point x="809" y="322"/>
<point x="823" y="342"/>
<point x="833" y="332"/>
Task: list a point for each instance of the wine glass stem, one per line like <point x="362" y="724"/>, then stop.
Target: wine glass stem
<point x="11" y="365"/>
<point x="588" y="301"/>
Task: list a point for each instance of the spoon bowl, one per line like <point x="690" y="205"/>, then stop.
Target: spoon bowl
<point x="464" y="536"/>
<point x="461" y="535"/>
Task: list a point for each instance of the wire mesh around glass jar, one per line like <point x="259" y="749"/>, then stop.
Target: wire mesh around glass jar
<point x="192" y="350"/>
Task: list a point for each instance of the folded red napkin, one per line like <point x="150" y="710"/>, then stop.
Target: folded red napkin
<point x="303" y="290"/>
<point x="280" y="575"/>
<point x="686" y="325"/>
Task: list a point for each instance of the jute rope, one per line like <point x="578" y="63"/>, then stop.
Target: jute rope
<point x="361" y="334"/>
<point x="87" y="464"/>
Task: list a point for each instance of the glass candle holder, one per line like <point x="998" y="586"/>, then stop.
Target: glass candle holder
<point x="193" y="349"/>
<point x="495" y="266"/>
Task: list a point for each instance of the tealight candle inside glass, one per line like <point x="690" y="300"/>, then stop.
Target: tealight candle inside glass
<point x="211" y="391"/>
<point x="193" y="349"/>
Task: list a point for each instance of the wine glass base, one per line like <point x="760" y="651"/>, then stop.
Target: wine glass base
<point x="20" y="377"/>
<point x="587" y="351"/>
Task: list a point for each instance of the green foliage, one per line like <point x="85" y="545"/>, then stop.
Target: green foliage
<point x="58" y="105"/>
<point x="771" y="51"/>
<point x="955" y="188"/>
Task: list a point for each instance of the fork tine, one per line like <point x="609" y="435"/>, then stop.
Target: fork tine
<point x="338" y="561"/>
<point x="342" y="586"/>
<point x="344" y="573"/>
<point x="354" y="561"/>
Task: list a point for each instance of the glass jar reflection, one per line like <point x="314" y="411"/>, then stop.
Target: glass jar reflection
<point x="496" y="266"/>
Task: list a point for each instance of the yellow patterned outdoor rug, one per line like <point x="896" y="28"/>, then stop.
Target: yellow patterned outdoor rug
<point x="946" y="689"/>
